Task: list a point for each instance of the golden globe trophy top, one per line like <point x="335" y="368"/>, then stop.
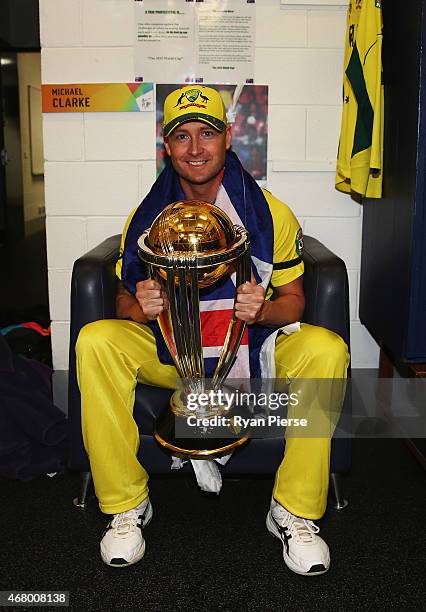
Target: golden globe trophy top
<point x="191" y="245"/>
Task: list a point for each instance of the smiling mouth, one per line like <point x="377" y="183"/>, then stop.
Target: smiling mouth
<point x="197" y="163"/>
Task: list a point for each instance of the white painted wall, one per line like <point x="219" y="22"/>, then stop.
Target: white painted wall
<point x="99" y="166"/>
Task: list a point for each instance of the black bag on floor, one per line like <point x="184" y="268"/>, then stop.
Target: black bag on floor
<point x="33" y="431"/>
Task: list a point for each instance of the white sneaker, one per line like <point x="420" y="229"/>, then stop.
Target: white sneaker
<point x="122" y="543"/>
<point x="304" y="551"/>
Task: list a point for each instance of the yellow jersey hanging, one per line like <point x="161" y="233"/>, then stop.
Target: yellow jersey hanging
<point x="360" y="156"/>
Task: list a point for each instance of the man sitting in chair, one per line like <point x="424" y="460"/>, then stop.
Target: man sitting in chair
<point x="114" y="355"/>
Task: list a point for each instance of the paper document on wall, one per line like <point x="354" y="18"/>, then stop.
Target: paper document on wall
<point x="164" y="40"/>
<point x="225" y="41"/>
<point x="194" y="42"/>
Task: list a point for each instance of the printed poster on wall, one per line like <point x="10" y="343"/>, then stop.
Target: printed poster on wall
<point x="180" y="41"/>
<point x="247" y="111"/>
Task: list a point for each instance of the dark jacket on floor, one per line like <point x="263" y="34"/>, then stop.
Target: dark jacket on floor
<point x="33" y="431"/>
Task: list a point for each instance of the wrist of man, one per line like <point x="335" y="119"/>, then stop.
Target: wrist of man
<point x="271" y="314"/>
<point x="136" y="314"/>
<point x="263" y="313"/>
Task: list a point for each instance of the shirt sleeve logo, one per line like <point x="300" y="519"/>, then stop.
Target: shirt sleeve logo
<point x="299" y="242"/>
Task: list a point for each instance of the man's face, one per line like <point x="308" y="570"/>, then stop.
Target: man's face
<point x="197" y="151"/>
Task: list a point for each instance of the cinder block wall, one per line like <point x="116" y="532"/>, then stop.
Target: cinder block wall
<point x="99" y="166"/>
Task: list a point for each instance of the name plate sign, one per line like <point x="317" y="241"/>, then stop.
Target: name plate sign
<point x="97" y="98"/>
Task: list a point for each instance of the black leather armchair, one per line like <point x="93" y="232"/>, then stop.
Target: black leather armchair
<point x="93" y="289"/>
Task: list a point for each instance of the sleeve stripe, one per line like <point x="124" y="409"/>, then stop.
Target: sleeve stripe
<point x="287" y="264"/>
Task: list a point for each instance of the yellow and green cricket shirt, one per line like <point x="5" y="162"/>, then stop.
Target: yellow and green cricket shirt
<point x="360" y="156"/>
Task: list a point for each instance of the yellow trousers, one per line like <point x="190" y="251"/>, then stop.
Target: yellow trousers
<point x="114" y="355"/>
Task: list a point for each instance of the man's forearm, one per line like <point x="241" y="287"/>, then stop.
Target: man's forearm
<point x="281" y="311"/>
<point x="127" y="306"/>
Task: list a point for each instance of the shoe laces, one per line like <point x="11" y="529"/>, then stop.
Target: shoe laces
<point x="125" y="522"/>
<point x="302" y="529"/>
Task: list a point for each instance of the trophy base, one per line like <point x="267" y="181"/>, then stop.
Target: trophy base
<point x="200" y="446"/>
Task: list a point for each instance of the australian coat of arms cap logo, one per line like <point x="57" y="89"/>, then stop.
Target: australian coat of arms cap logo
<point x="191" y="95"/>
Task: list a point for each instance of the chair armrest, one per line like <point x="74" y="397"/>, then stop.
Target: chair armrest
<point x="327" y="304"/>
<point x="93" y="288"/>
<point x="326" y="287"/>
